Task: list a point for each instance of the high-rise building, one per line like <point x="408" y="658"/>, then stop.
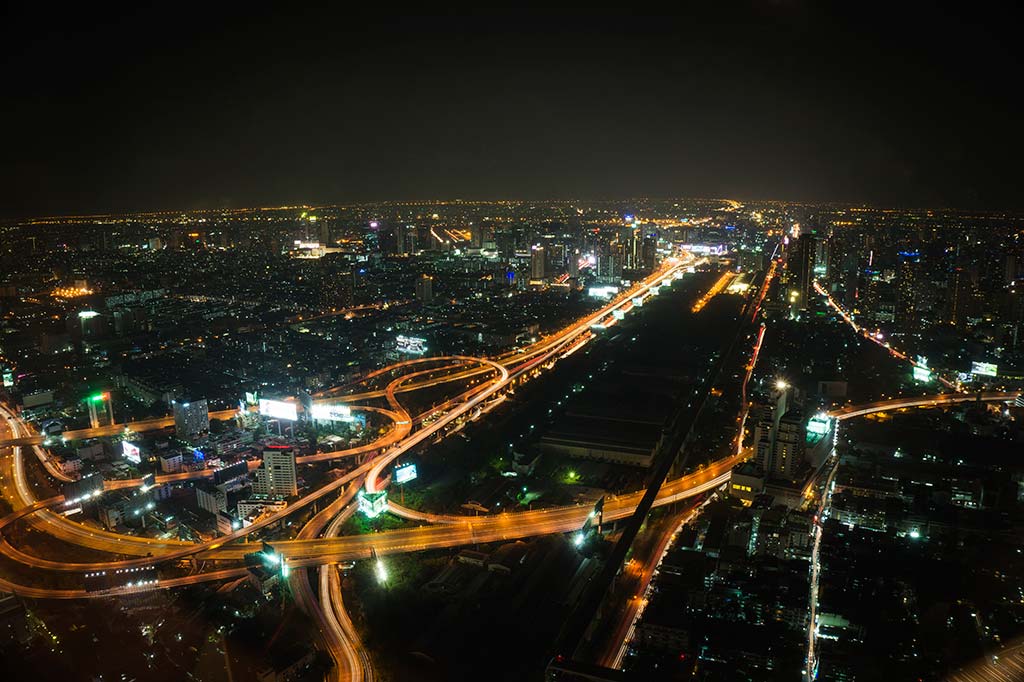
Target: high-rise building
<point x="779" y="437"/>
<point x="763" y="433"/>
<point x="801" y="267"/>
<point x="323" y="227"/>
<point x="648" y="253"/>
<point x="425" y="289"/>
<point x="538" y="262"/>
<point x="906" y="289"/>
<point x="276" y="476"/>
<point x="399" y="241"/>
<point x="609" y="262"/>
<point x="191" y="418"/>
<point x="788" y="450"/>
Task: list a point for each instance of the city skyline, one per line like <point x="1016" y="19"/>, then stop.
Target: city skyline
<point x="515" y="344"/>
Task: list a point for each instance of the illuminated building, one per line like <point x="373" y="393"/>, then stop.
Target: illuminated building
<point x="906" y="293"/>
<point x="802" y="266"/>
<point x="538" y="262"/>
<point x="191" y="418"/>
<point x="276" y="477"/>
<point x="425" y="289"/>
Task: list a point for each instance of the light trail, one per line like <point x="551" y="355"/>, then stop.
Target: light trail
<point x="874" y="338"/>
<point x="715" y="289"/>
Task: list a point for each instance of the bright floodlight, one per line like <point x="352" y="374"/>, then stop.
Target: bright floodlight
<point x="577" y="539"/>
<point x="781" y="385"/>
<point x="382" y="572"/>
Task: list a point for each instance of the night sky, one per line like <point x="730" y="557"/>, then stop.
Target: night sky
<point x="153" y="109"/>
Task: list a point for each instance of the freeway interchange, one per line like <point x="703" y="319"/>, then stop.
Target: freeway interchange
<point x="503" y="374"/>
<point x="318" y="544"/>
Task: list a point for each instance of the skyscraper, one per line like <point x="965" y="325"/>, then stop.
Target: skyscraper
<point x="788" y="450"/>
<point x="538" y="262"/>
<point x="804" y="257"/>
<point x="779" y="437"/>
<point x="906" y="289"/>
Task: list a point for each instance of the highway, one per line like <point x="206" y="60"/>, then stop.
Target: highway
<point x="940" y="400"/>
<point x="1004" y="665"/>
<point x="309" y="550"/>
<point x="452" y="531"/>
<point x="68" y="530"/>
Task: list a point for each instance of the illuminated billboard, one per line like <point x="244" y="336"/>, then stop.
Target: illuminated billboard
<point x="131" y="452"/>
<point x="707" y="249"/>
<point x="922" y="374"/>
<point x="404" y="474"/>
<point x="819" y="424"/>
<point x="602" y="292"/>
<point x="278" y="409"/>
<point x="329" y="412"/>
<point x="985" y="369"/>
<point x="411" y="344"/>
<point x="372" y="505"/>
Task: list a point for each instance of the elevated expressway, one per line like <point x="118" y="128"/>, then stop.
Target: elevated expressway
<point x="448" y="530"/>
<point x="400" y="440"/>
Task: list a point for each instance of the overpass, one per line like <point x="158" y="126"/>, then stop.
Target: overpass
<point x="940" y="400"/>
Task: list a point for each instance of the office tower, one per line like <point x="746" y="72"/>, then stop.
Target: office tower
<point x="323" y="227"/>
<point x="788" y="449"/>
<point x="801" y="267"/>
<point x="609" y="262"/>
<point x="631" y="242"/>
<point x="779" y="437"/>
<point x="425" y="289"/>
<point x="399" y="240"/>
<point x="276" y="476"/>
<point x="538" y="262"/>
<point x="906" y="289"/>
<point x="191" y="418"/>
<point x="649" y="252"/>
<point x="763" y="438"/>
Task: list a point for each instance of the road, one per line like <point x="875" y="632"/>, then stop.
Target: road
<point x="544" y="350"/>
<point x="940" y="400"/>
<point x="1005" y="665"/>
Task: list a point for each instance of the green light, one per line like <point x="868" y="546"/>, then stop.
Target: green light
<point x="98" y="398"/>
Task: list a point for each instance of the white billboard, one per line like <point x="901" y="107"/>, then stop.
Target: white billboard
<point x="602" y="292"/>
<point x="986" y="369"/>
<point x="131" y="452"/>
<point x="330" y="412"/>
<point x="279" y="409"/>
<point x="411" y="344"/>
<point x="404" y="474"/>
